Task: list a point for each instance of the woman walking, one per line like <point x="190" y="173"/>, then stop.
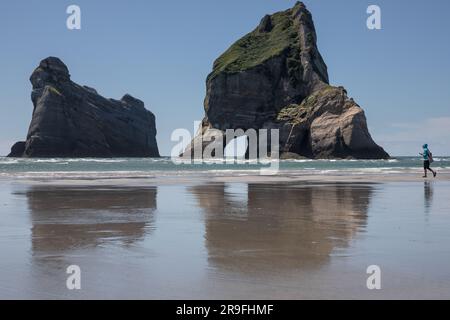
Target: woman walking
<point x="427" y="160"/>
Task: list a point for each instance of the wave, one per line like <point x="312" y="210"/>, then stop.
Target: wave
<point x="56" y="160"/>
<point x="10" y="161"/>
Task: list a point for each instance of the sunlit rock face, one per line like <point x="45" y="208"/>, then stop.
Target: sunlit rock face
<point x="275" y="78"/>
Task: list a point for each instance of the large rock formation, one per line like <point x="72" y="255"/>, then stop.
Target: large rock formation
<point x="274" y="77"/>
<point x="70" y="120"/>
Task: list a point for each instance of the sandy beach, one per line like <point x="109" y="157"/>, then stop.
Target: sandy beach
<point x="226" y="237"/>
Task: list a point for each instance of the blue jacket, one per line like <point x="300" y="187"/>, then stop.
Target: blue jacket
<point x="426" y="154"/>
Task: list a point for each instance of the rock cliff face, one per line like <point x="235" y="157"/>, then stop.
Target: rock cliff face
<point x="274" y="77"/>
<point x="70" y="120"/>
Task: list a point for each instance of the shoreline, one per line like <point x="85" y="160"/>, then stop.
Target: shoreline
<point x="137" y="181"/>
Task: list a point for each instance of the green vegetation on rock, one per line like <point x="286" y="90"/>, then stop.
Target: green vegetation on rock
<point x="54" y="90"/>
<point x="295" y="113"/>
<point x="258" y="47"/>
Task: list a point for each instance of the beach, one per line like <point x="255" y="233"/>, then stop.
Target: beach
<point x="224" y="235"/>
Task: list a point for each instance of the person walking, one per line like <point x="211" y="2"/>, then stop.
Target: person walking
<point x="427" y="160"/>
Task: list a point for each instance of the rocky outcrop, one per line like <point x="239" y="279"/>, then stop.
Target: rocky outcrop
<point x="70" y="120"/>
<point x="274" y="77"/>
<point x="327" y="124"/>
<point x="17" y="149"/>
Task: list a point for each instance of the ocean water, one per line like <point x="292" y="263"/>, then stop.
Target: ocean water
<point x="147" y="167"/>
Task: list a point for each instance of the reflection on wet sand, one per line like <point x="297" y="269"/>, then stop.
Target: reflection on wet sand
<point x="283" y="226"/>
<point x="428" y="196"/>
<point x="65" y="218"/>
<point x="235" y="240"/>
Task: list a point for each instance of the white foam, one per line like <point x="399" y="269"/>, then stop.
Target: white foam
<point x="9" y="161"/>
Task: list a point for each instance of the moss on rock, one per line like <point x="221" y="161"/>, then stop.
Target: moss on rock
<point x="54" y="90"/>
<point x="295" y="113"/>
<point x="257" y="47"/>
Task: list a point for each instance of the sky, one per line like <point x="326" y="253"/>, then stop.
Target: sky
<point x="161" y="51"/>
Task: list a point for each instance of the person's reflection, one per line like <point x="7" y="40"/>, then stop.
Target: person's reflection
<point x="66" y="218"/>
<point x="428" y="196"/>
<point x="280" y="226"/>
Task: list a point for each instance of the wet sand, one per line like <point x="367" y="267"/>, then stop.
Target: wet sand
<point x="247" y="237"/>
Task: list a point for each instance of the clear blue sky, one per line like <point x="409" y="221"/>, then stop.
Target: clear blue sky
<point x="161" y="52"/>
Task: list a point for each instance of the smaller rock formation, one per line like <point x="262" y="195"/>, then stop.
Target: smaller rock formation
<point x="17" y="149"/>
<point x="70" y="120"/>
<point x="327" y="124"/>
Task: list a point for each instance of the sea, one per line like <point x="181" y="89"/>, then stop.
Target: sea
<point x="147" y="167"/>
